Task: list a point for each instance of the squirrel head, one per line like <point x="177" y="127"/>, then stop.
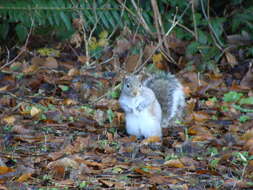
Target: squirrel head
<point x="132" y="85"/>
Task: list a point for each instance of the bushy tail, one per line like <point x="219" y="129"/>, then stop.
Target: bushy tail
<point x="169" y="93"/>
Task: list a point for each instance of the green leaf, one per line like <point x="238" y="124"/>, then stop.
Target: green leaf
<point x="21" y="32"/>
<point x="192" y="48"/>
<point x="217" y="25"/>
<point x="214" y="163"/>
<point x="244" y="118"/>
<point x="213" y="151"/>
<point x="242" y="109"/>
<point x="115" y="94"/>
<point x="110" y="115"/>
<point x="232" y="96"/>
<point x="63" y="33"/>
<point x="213" y="99"/>
<point x="224" y="108"/>
<point x="202" y="37"/>
<point x="63" y="87"/>
<point x="198" y="18"/>
<point x="4" y="29"/>
<point x="83" y="184"/>
<point x="250" y="51"/>
<point x="248" y="100"/>
<point x="66" y="20"/>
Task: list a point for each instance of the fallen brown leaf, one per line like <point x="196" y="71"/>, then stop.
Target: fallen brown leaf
<point x="174" y="164"/>
<point x="24" y="177"/>
<point x="152" y="139"/>
<point x="5" y="169"/>
<point x="51" y="63"/>
<point x="201" y="116"/>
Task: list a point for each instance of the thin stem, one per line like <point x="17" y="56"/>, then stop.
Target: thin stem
<point x="23" y="49"/>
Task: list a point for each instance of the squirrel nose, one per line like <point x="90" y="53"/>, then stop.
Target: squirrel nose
<point x="135" y="92"/>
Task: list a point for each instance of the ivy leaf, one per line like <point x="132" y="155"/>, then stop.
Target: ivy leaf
<point x="192" y="48"/>
<point x="232" y="96"/>
<point x="217" y="25"/>
<point x="244" y="118"/>
<point x="202" y="37"/>
<point x="248" y="100"/>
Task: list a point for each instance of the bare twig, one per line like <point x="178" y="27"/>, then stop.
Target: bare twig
<point x="174" y="23"/>
<point x="73" y="50"/>
<point x="121" y="15"/>
<point x="87" y="37"/>
<point x="140" y="17"/>
<point x="156" y="19"/>
<point x="104" y="95"/>
<point x="184" y="27"/>
<point x="194" y="21"/>
<point x="8" y="55"/>
<point x="217" y="41"/>
<point x="160" y="31"/>
<point x="23" y="49"/>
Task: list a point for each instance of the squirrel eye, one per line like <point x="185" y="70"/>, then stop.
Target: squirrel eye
<point x="127" y="85"/>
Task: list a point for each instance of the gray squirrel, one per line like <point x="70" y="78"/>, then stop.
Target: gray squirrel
<point x="150" y="105"/>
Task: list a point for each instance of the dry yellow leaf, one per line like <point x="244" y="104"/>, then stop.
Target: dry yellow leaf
<point x="231" y="59"/>
<point x="34" y="111"/>
<point x="69" y="102"/>
<point x="24" y="177"/>
<point x="31" y="69"/>
<point x="157" y="58"/>
<point x="152" y="139"/>
<point x="4" y="88"/>
<point x="9" y="119"/>
<point x="102" y="42"/>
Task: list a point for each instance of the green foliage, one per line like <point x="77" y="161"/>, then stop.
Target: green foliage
<point x="232" y="96"/>
<point x="21" y="31"/>
<point x="241" y="157"/>
<point x="171" y="157"/>
<point x="83" y="184"/>
<point x="213" y="151"/>
<point x="248" y="100"/>
<point x="57" y="15"/>
<point x="243" y="19"/>
<point x="238" y="107"/>
<point x="110" y="115"/>
<point x="213" y="99"/>
<point x="238" y="101"/>
<point x="244" y="118"/>
<point x="214" y="163"/>
<point x="49" y="52"/>
<point x="63" y="87"/>
<point x="207" y="34"/>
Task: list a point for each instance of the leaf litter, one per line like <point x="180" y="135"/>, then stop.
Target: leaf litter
<point x="61" y="125"/>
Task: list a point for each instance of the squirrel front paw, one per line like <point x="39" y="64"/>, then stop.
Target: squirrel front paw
<point x="128" y="109"/>
<point x="141" y="107"/>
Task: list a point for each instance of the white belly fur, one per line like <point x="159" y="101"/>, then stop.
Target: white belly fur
<point x="142" y="124"/>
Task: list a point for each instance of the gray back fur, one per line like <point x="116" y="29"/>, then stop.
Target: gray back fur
<point x="164" y="85"/>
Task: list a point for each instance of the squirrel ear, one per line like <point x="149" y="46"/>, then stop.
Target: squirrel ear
<point x="126" y="77"/>
<point x="139" y="77"/>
